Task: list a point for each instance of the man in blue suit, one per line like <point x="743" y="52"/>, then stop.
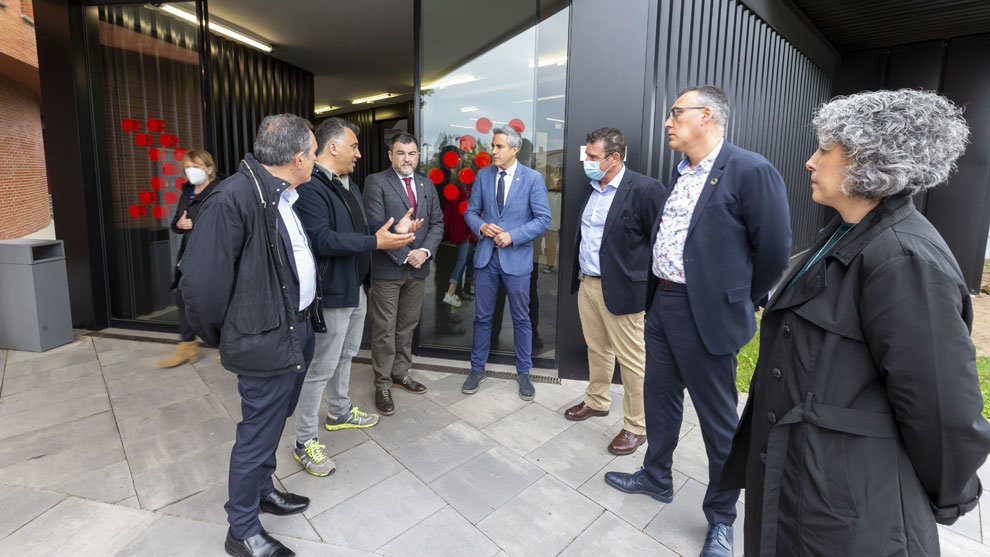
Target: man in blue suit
<point x="508" y="209"/>
<point x="722" y="240"/>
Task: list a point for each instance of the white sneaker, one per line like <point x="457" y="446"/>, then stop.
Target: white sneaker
<point x="452" y="299"/>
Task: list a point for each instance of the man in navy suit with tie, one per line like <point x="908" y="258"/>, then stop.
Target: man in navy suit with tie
<point x="508" y="209"/>
<point x="722" y="240"/>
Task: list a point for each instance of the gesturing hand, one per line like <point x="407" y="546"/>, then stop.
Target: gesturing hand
<point x="407" y="224"/>
<point x="184" y="223"/>
<point x="388" y="240"/>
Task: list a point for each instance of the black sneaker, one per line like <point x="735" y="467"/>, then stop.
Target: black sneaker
<point x="473" y="382"/>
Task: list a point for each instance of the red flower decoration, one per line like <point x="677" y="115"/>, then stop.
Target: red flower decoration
<point x="157" y="182"/>
<point x="171" y="197"/>
<point x="170" y="168"/>
<point x="466" y="175"/>
<point x="154" y="154"/>
<point x="179" y="153"/>
<point x="137" y="210"/>
<point x="435" y="175"/>
<point x="462" y="207"/>
<point x="451" y="159"/>
<point x="161" y="211"/>
<point x="179" y="182"/>
<point x="483" y="125"/>
<point x="148" y="197"/>
<point x="450" y="191"/>
<point x="517" y="124"/>
<point x="168" y="139"/>
<point x="143" y="139"/>
<point x="467" y="142"/>
<point x="482" y="159"/>
<point x="155" y="124"/>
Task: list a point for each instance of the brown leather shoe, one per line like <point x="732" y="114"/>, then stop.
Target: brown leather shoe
<point x="582" y="412"/>
<point x="383" y="402"/>
<point x="409" y="384"/>
<point x="625" y="442"/>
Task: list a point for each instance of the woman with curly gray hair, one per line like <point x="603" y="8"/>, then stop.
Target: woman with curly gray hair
<point x="863" y="426"/>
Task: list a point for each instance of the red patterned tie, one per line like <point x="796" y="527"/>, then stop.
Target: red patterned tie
<point x="409" y="192"/>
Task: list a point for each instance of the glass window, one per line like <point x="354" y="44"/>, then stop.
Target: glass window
<point x="510" y="72"/>
<point x="152" y="105"/>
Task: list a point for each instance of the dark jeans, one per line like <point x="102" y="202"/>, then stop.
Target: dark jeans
<point x="676" y="358"/>
<point x="486" y="285"/>
<point x="534" y="306"/>
<point x="185" y="331"/>
<point x="266" y="402"/>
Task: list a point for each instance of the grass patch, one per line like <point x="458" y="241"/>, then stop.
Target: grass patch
<point x="750" y="353"/>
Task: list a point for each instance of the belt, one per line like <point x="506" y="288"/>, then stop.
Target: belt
<point x="834" y="418"/>
<point x="583" y="275"/>
<point x="671" y="286"/>
<point x="303" y="315"/>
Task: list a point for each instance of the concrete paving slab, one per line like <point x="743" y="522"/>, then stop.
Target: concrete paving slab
<point x="445" y="534"/>
<point x="528" y="428"/>
<point x="20" y="505"/>
<point x="376" y="516"/>
<point x="542" y="520"/>
<point x="610" y="535"/>
<point x="443" y="450"/>
<point x="574" y="455"/>
<point x="485" y="483"/>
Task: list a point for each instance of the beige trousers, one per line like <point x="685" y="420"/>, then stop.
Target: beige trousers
<point x="608" y="337"/>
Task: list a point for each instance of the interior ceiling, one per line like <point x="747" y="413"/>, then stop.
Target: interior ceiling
<point x="861" y="24"/>
<point x="361" y="48"/>
<point x="353" y="48"/>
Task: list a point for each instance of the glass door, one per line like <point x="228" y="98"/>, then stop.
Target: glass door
<point x="149" y="72"/>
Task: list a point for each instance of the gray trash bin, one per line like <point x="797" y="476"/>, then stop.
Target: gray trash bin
<point x="34" y="295"/>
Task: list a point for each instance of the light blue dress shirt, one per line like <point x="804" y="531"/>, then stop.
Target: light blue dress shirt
<point x="305" y="265"/>
<point x="593" y="223"/>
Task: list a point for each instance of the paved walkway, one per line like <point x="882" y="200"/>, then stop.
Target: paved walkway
<point x="103" y="454"/>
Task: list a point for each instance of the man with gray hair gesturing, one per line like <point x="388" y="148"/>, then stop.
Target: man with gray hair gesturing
<point x="508" y="209"/>
<point x="721" y="241"/>
<point x="249" y="283"/>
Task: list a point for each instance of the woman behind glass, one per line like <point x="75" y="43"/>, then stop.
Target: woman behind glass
<point x="863" y="426"/>
<point x="200" y="171"/>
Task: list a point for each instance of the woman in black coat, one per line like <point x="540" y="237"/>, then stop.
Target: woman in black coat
<point x="863" y="426"/>
<point x="200" y="172"/>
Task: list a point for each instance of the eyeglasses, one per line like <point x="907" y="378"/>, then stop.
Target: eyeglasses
<point x="675" y="111"/>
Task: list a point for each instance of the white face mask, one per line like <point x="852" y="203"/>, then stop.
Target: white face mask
<point x="196" y="175"/>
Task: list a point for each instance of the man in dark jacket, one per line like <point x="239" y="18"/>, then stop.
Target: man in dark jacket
<point x="248" y="282"/>
<point x="399" y="275"/>
<point x="611" y="261"/>
<point x="331" y="210"/>
<point x="722" y="240"/>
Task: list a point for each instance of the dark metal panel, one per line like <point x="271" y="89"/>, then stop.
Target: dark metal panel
<point x="917" y="65"/>
<point x="960" y="210"/>
<point x="627" y="29"/>
<point x="861" y="71"/>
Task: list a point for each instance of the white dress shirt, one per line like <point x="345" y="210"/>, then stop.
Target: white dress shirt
<point x="593" y="223"/>
<point x="305" y="265"/>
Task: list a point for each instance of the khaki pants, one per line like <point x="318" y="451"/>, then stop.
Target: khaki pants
<point x="394" y="307"/>
<point x="608" y="337"/>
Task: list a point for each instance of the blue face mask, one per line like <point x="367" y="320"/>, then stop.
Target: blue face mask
<point x="593" y="170"/>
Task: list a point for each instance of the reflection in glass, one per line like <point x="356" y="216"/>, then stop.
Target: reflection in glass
<point x="151" y="91"/>
<point x="517" y="78"/>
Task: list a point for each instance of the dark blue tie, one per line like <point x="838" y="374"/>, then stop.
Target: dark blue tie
<point x="500" y="191"/>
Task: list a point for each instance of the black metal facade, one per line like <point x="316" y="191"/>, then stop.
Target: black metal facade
<point x="773" y="89"/>
<point x="247" y="86"/>
<point x="959" y="68"/>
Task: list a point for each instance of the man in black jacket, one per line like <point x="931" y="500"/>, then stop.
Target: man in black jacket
<point x="248" y="282"/>
<point x="611" y="257"/>
<point x="331" y="209"/>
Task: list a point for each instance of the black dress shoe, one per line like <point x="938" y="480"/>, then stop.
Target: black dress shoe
<point x="383" y="402"/>
<point x="259" y="545"/>
<point x="282" y="504"/>
<point x="409" y="384"/>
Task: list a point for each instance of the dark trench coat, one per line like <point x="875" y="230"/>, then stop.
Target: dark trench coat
<point x="863" y="425"/>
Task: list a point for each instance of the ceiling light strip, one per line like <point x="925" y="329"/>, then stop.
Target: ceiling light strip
<point x="219" y="29"/>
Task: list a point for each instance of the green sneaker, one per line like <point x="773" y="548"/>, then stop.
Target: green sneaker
<point x="355" y="419"/>
<point x="314" y="460"/>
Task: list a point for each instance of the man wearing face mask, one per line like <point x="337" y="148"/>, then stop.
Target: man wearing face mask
<point x="612" y="255"/>
<point x="200" y="172"/>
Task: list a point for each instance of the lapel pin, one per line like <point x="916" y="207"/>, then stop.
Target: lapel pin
<point x="714" y="181"/>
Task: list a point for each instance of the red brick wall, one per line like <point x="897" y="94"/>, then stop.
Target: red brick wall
<point x="18" y="35"/>
<point x="23" y="183"/>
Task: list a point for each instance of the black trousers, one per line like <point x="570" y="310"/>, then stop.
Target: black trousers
<point x="676" y="358"/>
<point x="266" y="402"/>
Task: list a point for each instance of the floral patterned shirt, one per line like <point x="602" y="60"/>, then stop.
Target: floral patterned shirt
<point x="668" y="249"/>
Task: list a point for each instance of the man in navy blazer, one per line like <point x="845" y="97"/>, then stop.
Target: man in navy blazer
<point x="611" y="264"/>
<point x="508" y="209"/>
<point x="722" y="240"/>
